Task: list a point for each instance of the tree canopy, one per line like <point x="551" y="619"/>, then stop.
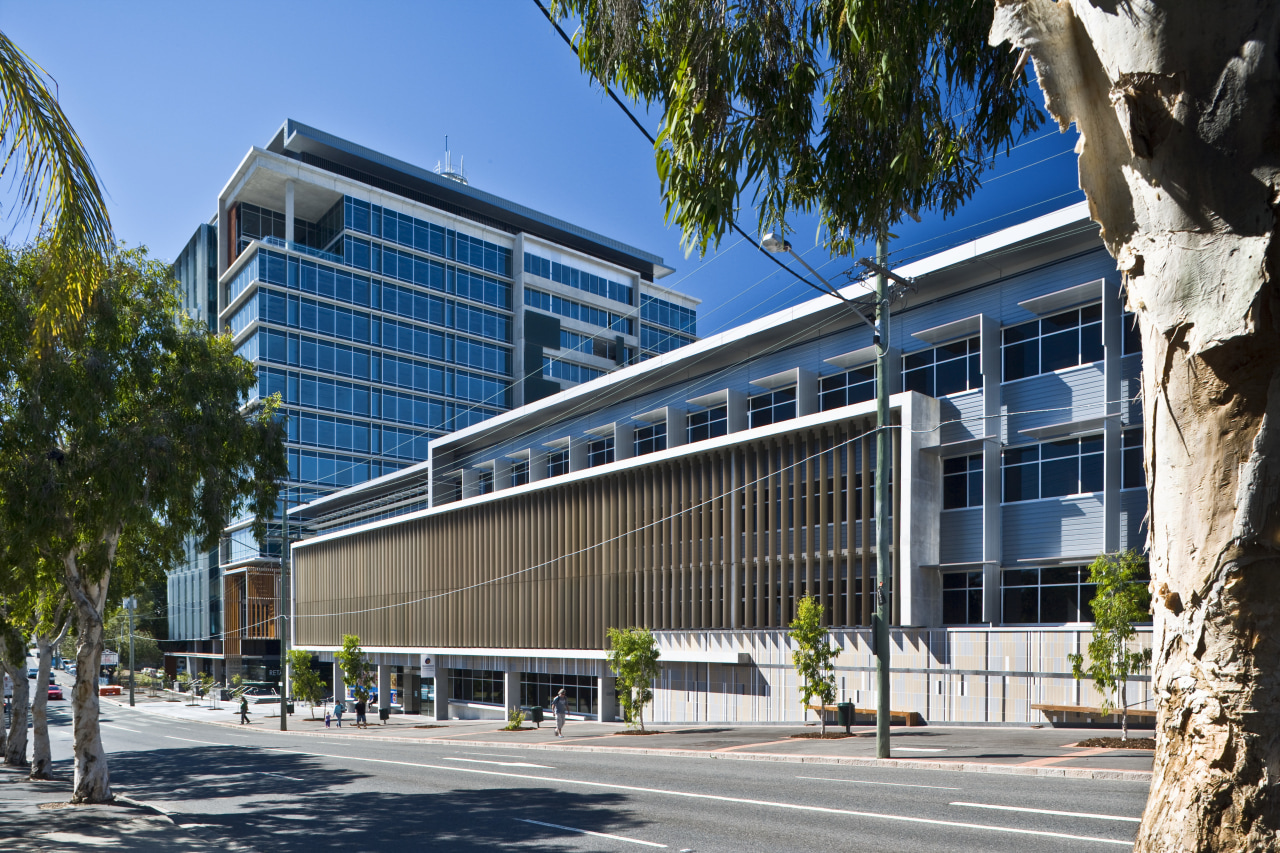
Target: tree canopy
<point x="862" y="111"/>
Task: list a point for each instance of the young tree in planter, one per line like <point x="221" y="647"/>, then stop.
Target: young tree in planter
<point x="304" y="681"/>
<point x="355" y="667"/>
<point x="864" y="112"/>
<point x="129" y="429"/>
<point x="814" y="658"/>
<point x="633" y="657"/>
<point x="1120" y="601"/>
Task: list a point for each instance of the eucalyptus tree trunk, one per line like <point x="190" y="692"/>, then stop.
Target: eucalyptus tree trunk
<point x="1176" y="104"/>
<point x="92" y="781"/>
<point x="41" y="756"/>
<point x="15" y="750"/>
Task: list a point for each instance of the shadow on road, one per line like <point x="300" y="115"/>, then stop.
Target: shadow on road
<point x="283" y="802"/>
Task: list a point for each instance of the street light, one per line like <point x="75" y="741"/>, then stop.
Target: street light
<point x="131" y="604"/>
<point x="773" y="242"/>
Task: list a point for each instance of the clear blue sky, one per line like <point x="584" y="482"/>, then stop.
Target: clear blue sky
<point x="168" y="97"/>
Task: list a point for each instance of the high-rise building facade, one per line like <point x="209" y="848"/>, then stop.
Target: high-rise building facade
<point x="388" y="305"/>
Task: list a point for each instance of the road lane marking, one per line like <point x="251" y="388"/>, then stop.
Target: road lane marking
<point x="596" y="834"/>
<point x="189" y="740"/>
<point x="863" y="782"/>
<point x="918" y="749"/>
<point x="1048" y="811"/>
<point x="282" y="776"/>
<point x="501" y="763"/>
<point x="713" y="797"/>
<point x="121" y="728"/>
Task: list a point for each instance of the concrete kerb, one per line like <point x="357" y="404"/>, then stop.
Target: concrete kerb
<point x="834" y="760"/>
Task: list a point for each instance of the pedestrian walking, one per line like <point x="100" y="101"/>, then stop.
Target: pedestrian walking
<point x="327" y="718"/>
<point x="338" y="710"/>
<point x="361" y="707"/>
<point x="561" y="707"/>
<point x="244" y="710"/>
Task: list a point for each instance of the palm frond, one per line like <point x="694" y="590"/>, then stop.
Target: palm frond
<point x="56" y="185"/>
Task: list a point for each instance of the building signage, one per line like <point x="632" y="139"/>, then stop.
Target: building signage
<point x="428" y="666"/>
<point x="110" y="658"/>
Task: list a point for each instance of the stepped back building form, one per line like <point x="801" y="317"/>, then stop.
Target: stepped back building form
<point x="388" y="305"/>
<point x="701" y="493"/>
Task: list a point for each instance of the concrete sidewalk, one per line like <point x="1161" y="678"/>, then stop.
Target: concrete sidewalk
<point x="1040" y="752"/>
<point x="37" y="817"/>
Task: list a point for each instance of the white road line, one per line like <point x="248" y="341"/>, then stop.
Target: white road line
<point x="1048" y="811"/>
<point x="917" y="749"/>
<point x="189" y="740"/>
<point x="121" y="728"/>
<point x="714" y="797"/>
<point x="501" y="763"/>
<point x="596" y="834"/>
<point x="863" y="782"/>
<point x="282" y="776"/>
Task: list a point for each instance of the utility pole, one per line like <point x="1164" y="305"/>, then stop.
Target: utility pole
<point x="884" y="529"/>
<point x="130" y="604"/>
<point x="284" y="586"/>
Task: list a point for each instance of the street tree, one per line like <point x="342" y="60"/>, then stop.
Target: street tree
<point x="633" y="657"/>
<point x="50" y="620"/>
<point x="13" y="662"/>
<point x="355" y="667"/>
<point x="119" y="436"/>
<point x="865" y="111"/>
<point x="305" y="683"/>
<point x="1121" y="600"/>
<point x="56" y="184"/>
<point x="814" y="658"/>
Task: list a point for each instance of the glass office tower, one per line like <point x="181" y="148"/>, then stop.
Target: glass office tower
<point x="388" y="305"/>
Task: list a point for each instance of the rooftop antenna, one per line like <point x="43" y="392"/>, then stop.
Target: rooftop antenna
<point x="447" y="171"/>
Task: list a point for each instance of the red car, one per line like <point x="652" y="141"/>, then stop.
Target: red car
<point x="55" y="692"/>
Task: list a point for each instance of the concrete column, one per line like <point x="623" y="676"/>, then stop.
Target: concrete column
<point x="511" y="690"/>
<point x="501" y="474"/>
<point x="216" y="669"/>
<point x="806" y="392"/>
<point x="1112" y="341"/>
<point x="624" y="441"/>
<point x="384" y="686"/>
<point x="736" y="411"/>
<point x="578" y="452"/>
<point x="288" y="211"/>
<point x="537" y="464"/>
<point x="677" y="427"/>
<point x="470" y="482"/>
<point x="992" y="518"/>
<point x="339" y="686"/>
<point x="607" y="684"/>
<point x="442" y="693"/>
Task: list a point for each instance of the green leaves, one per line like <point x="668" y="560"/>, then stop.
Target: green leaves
<point x="56" y="183"/>
<point x="814" y="656"/>
<point x="355" y="667"/>
<point x="863" y="110"/>
<point x="1122" y="599"/>
<point x="633" y="657"/>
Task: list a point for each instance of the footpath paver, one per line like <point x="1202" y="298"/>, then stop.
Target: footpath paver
<point x="1003" y="749"/>
<point x="37" y="817"/>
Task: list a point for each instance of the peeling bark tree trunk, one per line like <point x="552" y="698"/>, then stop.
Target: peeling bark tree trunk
<point x="1176" y="104"/>
<point x="41" y="755"/>
<point x="15" y="751"/>
<point x="92" y="781"/>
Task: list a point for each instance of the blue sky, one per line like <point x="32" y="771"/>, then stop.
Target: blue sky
<point x="168" y="98"/>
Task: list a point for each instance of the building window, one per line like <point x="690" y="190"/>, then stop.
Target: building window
<point x="520" y="472"/>
<point x="962" y="598"/>
<point x="664" y="313"/>
<point x="1070" y="466"/>
<point x="1052" y="343"/>
<point x="709" y="423"/>
<point x="651" y="438"/>
<point x="1048" y="595"/>
<point x="1132" y="474"/>
<point x="962" y="482"/>
<point x="947" y="369"/>
<point x="1131" y="337"/>
<point x="581" y="691"/>
<point x="557" y="463"/>
<point x="772" y="407"/>
<point x="600" y="452"/>
<point x="477" y="685"/>
<point x="852" y="386"/>
<point x="484" y="482"/>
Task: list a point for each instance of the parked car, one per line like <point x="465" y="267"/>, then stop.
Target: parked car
<point x="55" y="692"/>
<point x="33" y="672"/>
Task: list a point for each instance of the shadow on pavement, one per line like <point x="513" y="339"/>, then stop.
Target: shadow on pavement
<point x="283" y="802"/>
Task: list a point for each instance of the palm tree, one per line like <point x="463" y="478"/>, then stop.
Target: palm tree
<point x="56" y="185"/>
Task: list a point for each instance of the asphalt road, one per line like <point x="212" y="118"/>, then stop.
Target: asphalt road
<point x="273" y="792"/>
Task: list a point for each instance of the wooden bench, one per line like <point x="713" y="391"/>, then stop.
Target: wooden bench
<point x="1140" y="713"/>
<point x="909" y="718"/>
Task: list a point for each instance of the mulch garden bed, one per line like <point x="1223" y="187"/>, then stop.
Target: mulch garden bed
<point x="821" y="736"/>
<point x="519" y="729"/>
<point x="638" y="732"/>
<point x="428" y="727"/>
<point x="1117" y="743"/>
